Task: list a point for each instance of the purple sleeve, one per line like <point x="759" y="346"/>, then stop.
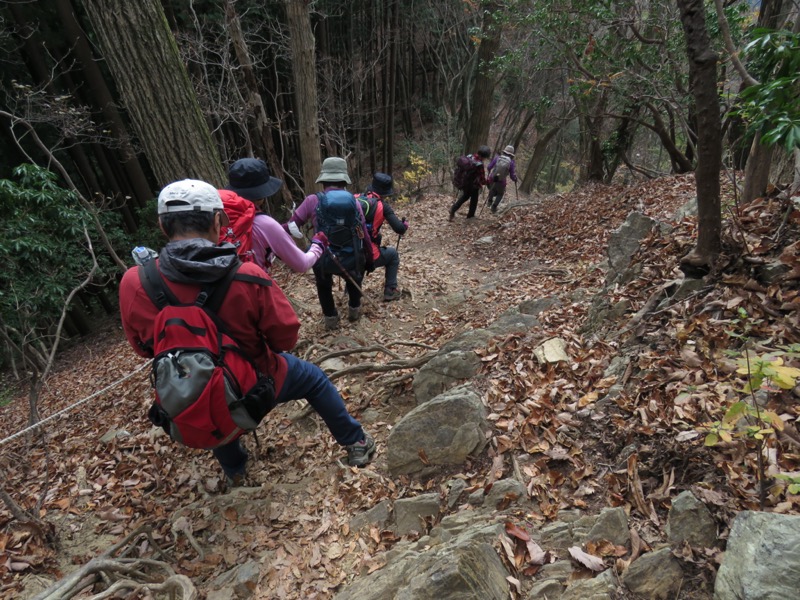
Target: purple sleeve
<point x="492" y="164"/>
<point x="512" y="170"/>
<point x="268" y="233"/>
<point x="307" y="211"/>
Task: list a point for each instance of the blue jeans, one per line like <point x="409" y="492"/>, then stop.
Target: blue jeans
<point x="391" y="260"/>
<point x="303" y="380"/>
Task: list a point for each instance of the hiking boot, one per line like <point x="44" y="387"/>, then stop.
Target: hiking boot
<point x="390" y="294"/>
<point x="332" y="322"/>
<point x="235" y="481"/>
<point x="494" y="209"/>
<point x="353" y="313"/>
<point x="451" y="216"/>
<point x="360" y="453"/>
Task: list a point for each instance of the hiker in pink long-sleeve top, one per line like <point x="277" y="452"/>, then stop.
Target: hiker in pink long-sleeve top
<point x="250" y="179"/>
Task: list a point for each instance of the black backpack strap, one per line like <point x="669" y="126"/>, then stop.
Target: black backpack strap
<point x="212" y="295"/>
<point x="155" y="288"/>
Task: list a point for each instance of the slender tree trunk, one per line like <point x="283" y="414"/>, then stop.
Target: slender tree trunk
<point x="759" y="159"/>
<point x="143" y="57"/>
<point x="681" y="163"/>
<point x="539" y="154"/>
<point x="756" y="170"/>
<point x="703" y="82"/>
<point x="255" y="104"/>
<point x="394" y="40"/>
<point x="480" y="118"/>
<point x="305" y="92"/>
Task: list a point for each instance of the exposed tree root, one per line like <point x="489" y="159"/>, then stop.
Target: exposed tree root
<point x="121" y="576"/>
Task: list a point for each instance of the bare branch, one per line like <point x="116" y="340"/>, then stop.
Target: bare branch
<point x="734" y="55"/>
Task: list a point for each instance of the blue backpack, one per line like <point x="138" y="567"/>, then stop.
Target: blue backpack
<point x="337" y="218"/>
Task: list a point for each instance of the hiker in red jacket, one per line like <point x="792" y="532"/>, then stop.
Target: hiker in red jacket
<point x="377" y="211"/>
<point x="255" y="312"/>
<point x="250" y="179"/>
<point x="472" y="187"/>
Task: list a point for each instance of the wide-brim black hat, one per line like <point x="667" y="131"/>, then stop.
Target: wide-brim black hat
<point x="381" y="184"/>
<point x="251" y="179"/>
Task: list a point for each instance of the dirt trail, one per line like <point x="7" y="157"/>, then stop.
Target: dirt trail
<point x="297" y="516"/>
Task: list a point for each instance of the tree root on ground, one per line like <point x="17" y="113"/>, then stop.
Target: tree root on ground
<point x="121" y="576"/>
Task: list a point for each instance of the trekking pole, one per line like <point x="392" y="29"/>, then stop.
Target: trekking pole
<point x="400" y="236"/>
<point x="516" y="191"/>
<point x="483" y="205"/>
<point x="347" y="275"/>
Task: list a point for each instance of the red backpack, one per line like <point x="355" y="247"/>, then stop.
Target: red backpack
<point x="208" y="392"/>
<point x="239" y="232"/>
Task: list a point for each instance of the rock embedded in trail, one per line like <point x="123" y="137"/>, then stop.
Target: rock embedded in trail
<point x="443" y="371"/>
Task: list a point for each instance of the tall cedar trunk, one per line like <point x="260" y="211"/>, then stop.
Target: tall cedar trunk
<point x="305" y="89"/>
<point x="255" y="104"/>
<point x="480" y="118"/>
<point x="703" y="84"/>
<point x="143" y="58"/>
<point x="101" y="97"/>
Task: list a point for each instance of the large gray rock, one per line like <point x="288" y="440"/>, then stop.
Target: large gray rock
<point x="598" y="588"/>
<point x="535" y="307"/>
<point x="655" y="575"/>
<point x="442" y="372"/>
<point x="410" y="513"/>
<point x="510" y="489"/>
<point x="468" y="340"/>
<point x="513" y="321"/>
<point x="548" y="588"/>
<point x="762" y="560"/>
<point x="378" y="515"/>
<point x="611" y="525"/>
<point x="624" y="242"/>
<point x="464" y="567"/>
<point x="445" y="430"/>
<point x="690" y="521"/>
<point x="238" y="583"/>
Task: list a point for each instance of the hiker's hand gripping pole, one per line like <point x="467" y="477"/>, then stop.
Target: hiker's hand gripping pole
<point x="400" y="235"/>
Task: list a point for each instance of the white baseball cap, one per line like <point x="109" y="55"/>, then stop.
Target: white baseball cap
<point x="190" y="194"/>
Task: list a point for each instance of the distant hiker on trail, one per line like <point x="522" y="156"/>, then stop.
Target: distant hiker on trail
<point x="199" y="292"/>
<point x="501" y="168"/>
<point x="336" y="213"/>
<point x="252" y="230"/>
<point x="469" y="177"/>
<point x="377" y="210"/>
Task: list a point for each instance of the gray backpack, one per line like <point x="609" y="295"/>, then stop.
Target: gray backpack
<point x="502" y="167"/>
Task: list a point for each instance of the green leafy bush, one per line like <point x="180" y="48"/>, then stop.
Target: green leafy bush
<point x="773" y="106"/>
<point x="44" y="251"/>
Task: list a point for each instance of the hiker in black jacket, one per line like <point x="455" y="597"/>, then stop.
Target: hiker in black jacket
<point x="376" y="211"/>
